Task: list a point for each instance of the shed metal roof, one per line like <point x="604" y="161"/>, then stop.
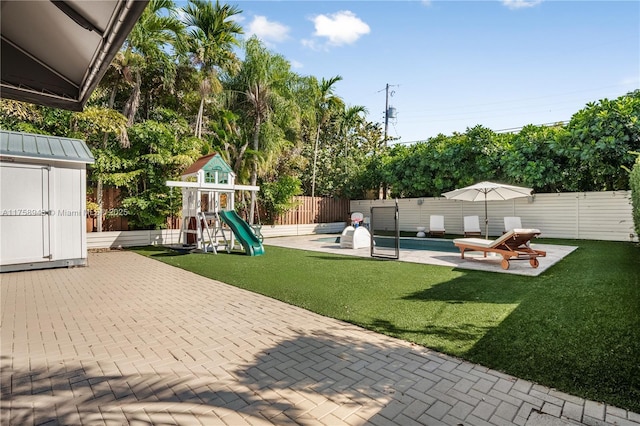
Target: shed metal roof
<point x="29" y="145"/>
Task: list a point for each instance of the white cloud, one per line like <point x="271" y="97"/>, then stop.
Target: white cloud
<point x="268" y="31"/>
<point x="520" y="4"/>
<point x="296" y="64"/>
<point x="340" y="28"/>
<point x="311" y="44"/>
<point x="426" y="3"/>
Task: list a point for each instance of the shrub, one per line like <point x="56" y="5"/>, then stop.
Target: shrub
<point x="278" y="196"/>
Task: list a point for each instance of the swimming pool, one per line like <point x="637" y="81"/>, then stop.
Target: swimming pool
<point x="407" y="243"/>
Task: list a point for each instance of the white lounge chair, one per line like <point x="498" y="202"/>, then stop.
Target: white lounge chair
<point x="512" y="245"/>
<point x="512" y="222"/>
<point x="472" y="226"/>
<point x="436" y="225"/>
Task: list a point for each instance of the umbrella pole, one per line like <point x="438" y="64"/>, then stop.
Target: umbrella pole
<point x="486" y="218"/>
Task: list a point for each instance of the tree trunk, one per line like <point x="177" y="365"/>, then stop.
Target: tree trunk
<point x="99" y="194"/>
<point x="131" y="107"/>
<point x="238" y="163"/>
<point x="112" y="97"/>
<point x="198" y="132"/>
<point x="313" y="176"/>
<point x="254" y="168"/>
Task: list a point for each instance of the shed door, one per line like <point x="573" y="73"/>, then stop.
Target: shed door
<point x="24" y="219"/>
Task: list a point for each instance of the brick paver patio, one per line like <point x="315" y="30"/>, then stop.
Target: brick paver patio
<point x="129" y="340"/>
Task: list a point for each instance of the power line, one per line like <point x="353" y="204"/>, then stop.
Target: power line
<point x="514" y="129"/>
<point x="506" y="130"/>
<point x="520" y="100"/>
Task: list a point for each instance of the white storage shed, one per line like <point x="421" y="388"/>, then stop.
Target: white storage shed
<point x="42" y="201"/>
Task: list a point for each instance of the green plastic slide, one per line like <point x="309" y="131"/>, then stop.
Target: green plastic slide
<point x="243" y="232"/>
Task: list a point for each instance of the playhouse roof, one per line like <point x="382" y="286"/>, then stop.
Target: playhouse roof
<point x="208" y="163"/>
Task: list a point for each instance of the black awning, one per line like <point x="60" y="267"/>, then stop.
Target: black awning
<point x="54" y="53"/>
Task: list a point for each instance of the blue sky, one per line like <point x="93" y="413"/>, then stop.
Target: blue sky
<point x="455" y="64"/>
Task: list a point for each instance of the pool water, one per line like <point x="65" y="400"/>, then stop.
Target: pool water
<point x="407" y="243"/>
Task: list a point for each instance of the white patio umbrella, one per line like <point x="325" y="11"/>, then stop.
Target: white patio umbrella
<point x="488" y="191"/>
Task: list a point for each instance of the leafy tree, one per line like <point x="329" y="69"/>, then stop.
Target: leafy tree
<point x="102" y="128"/>
<point x="146" y="53"/>
<point x="530" y="158"/>
<point x="345" y="148"/>
<point x="277" y="197"/>
<point x="160" y="151"/>
<point x="485" y="148"/>
<point x="366" y="175"/>
<point x="598" y="141"/>
<point x="258" y="94"/>
<point x="20" y="116"/>
<point x="324" y="101"/>
<point x="349" y="120"/>
<point x="409" y="170"/>
<point x="368" y="179"/>
<point x="586" y="155"/>
<point x="444" y="162"/>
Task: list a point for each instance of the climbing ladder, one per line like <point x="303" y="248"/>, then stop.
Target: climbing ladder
<point x="211" y="231"/>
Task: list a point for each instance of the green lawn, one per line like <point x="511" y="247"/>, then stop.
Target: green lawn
<point x="575" y="328"/>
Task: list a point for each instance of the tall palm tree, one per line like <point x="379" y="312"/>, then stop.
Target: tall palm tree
<point x="350" y="119"/>
<point x="156" y="30"/>
<point x="258" y="92"/>
<point x="324" y="101"/>
<point x="212" y="35"/>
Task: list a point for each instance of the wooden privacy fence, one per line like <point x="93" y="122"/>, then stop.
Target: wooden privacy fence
<point x="327" y="210"/>
<point x="315" y="210"/>
<point x="111" y="220"/>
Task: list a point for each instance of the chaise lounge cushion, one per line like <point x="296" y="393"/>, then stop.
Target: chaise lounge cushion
<point x="481" y="242"/>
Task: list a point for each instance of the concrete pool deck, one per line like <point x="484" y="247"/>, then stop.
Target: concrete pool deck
<point x="473" y="260"/>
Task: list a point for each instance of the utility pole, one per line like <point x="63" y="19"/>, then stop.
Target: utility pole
<point x="388" y="113"/>
<point x="386" y="116"/>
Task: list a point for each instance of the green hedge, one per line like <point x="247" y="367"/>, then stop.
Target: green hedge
<point x="584" y="155"/>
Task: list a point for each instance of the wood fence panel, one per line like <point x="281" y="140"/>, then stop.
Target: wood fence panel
<point x="326" y="210"/>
